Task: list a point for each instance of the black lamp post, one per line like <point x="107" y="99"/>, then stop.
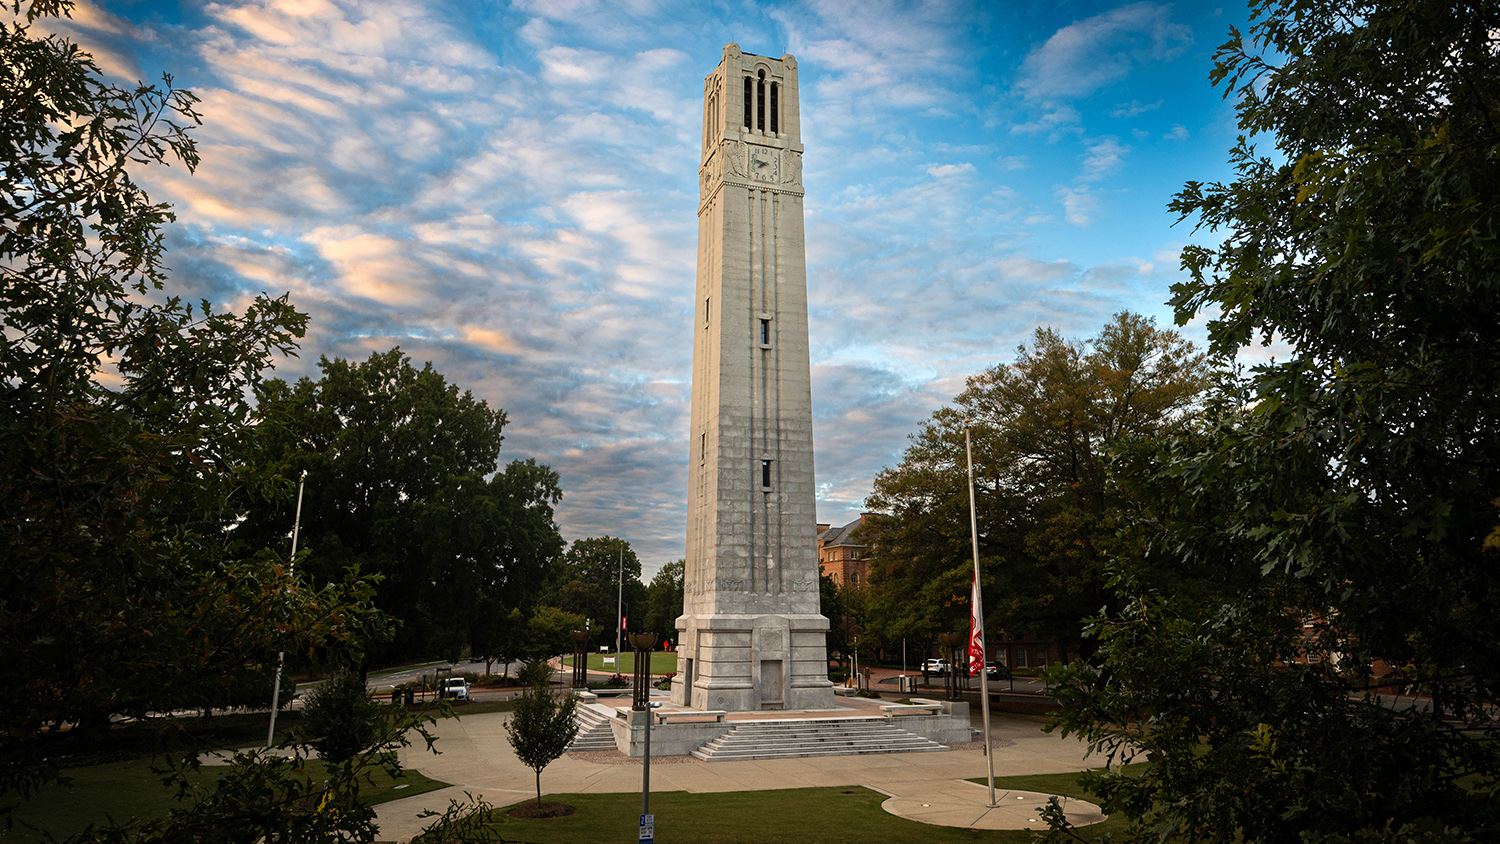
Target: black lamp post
<point x="950" y="641"/>
<point x="643" y="643"/>
<point x="580" y="658"/>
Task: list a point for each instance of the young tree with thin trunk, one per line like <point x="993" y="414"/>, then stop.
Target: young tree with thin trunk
<point x="542" y="727"/>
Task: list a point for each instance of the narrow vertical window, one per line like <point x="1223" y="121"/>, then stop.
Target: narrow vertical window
<point x="765" y="332"/>
<point x="765" y="474"/>
<point x="703" y="446"/>
<point x="706" y="302"/>
<point x="749" y="99"/>
<point x="710" y="121"/>
<point x="760" y="103"/>
<point x="775" y="108"/>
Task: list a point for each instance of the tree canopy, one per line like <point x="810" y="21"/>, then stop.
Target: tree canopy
<point x="664" y="601"/>
<point x="396" y="460"/>
<point x="589" y="580"/>
<point x="123" y="424"/>
<point x="1347" y="690"/>
<point x="1042" y="430"/>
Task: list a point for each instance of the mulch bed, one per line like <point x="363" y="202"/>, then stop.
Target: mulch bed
<point x="546" y="809"/>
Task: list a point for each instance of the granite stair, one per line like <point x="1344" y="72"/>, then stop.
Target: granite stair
<point x="831" y="737"/>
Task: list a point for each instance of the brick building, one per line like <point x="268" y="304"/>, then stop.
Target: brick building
<point x="842" y="553"/>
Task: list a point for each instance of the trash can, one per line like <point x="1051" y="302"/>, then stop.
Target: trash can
<point x="411" y="696"/>
<point x="395" y="697"/>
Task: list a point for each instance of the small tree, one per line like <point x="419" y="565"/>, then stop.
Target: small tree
<point x="340" y="720"/>
<point x="542" y="726"/>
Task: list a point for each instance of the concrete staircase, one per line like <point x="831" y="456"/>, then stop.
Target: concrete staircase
<point x="594" y="732"/>
<point x="832" y="737"/>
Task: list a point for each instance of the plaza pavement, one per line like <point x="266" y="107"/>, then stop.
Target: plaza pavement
<point x="926" y="787"/>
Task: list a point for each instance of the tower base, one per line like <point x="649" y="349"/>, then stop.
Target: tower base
<point x="749" y="663"/>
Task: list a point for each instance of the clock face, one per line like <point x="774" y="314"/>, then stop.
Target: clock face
<point x="763" y="164"/>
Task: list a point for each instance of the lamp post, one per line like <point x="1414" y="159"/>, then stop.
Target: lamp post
<point x="643" y="643"/>
<point x="580" y="658"/>
<point x="281" y="655"/>
<point x="950" y="641"/>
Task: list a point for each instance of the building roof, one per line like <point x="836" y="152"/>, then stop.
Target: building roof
<point x="841" y="535"/>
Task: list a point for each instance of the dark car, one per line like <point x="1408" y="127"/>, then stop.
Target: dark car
<point x="995" y="671"/>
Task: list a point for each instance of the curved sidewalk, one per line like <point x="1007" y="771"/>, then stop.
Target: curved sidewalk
<point x="477" y="758"/>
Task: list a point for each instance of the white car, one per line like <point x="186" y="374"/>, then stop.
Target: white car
<point x="936" y="667"/>
<point x="454" y="688"/>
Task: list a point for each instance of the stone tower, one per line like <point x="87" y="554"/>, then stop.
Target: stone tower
<point x="750" y="635"/>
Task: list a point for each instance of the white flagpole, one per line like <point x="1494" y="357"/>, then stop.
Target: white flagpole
<point x="978" y="620"/>
<point x="281" y="656"/>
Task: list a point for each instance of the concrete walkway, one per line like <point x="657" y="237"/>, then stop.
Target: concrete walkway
<point x="926" y="787"/>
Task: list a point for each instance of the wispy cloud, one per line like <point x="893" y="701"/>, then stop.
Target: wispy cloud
<point x="511" y="191"/>
<point x="1088" y="55"/>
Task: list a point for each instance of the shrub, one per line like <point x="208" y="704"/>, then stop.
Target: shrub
<point x="340" y="720"/>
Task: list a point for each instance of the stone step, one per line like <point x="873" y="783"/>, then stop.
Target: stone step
<point x="594" y="732"/>
<point x="793" y="741"/>
<point x="842" y="737"/>
<point x="751" y="755"/>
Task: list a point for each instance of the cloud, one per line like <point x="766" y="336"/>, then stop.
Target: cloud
<point x="1134" y="108"/>
<point x="1103" y="158"/>
<point x="1178" y="133"/>
<point x="1080" y="204"/>
<point x="950" y="171"/>
<point x="1055" y="120"/>
<point x="1089" y="55"/>
<point x="510" y="191"/>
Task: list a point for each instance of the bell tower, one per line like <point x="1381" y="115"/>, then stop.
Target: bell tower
<point x="751" y="636"/>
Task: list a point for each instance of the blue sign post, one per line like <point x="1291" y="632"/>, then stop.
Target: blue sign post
<point x="648" y="829"/>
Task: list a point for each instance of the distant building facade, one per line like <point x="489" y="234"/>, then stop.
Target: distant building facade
<point x="842" y="553"/>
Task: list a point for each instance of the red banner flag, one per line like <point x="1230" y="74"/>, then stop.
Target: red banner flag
<point x="976" y="633"/>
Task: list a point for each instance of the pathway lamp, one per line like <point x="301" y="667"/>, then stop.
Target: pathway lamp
<point x="643" y="643"/>
<point x="951" y="642"/>
<point x="580" y="657"/>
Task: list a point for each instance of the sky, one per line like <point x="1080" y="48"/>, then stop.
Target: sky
<point x="509" y="190"/>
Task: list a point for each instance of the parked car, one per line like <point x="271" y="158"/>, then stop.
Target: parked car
<point x="937" y="667"/>
<point x="454" y="688"/>
<point x="995" y="671"/>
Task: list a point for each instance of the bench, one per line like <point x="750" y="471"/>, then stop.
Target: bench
<point x="717" y="714"/>
<point x="892" y="709"/>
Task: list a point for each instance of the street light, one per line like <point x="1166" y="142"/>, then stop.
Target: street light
<point x="951" y="641"/>
<point x="643" y="643"/>
<point x="281" y="655"/>
<point x="580" y="658"/>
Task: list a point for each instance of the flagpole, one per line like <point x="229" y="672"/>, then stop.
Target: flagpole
<point x="978" y="619"/>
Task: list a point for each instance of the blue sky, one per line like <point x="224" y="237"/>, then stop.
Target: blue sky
<point x="509" y="191"/>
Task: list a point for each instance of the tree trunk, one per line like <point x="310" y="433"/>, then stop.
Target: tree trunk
<point x="539" y="786"/>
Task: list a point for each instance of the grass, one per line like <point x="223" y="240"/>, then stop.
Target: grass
<point x="129" y="789"/>
<point x="661" y="663"/>
<point x="803" y="815"/>
<point x="835" y="815"/>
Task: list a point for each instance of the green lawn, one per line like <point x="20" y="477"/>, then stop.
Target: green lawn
<point x="661" y="663"/>
<point x="802" y="815"/>
<point x="129" y="789"/>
